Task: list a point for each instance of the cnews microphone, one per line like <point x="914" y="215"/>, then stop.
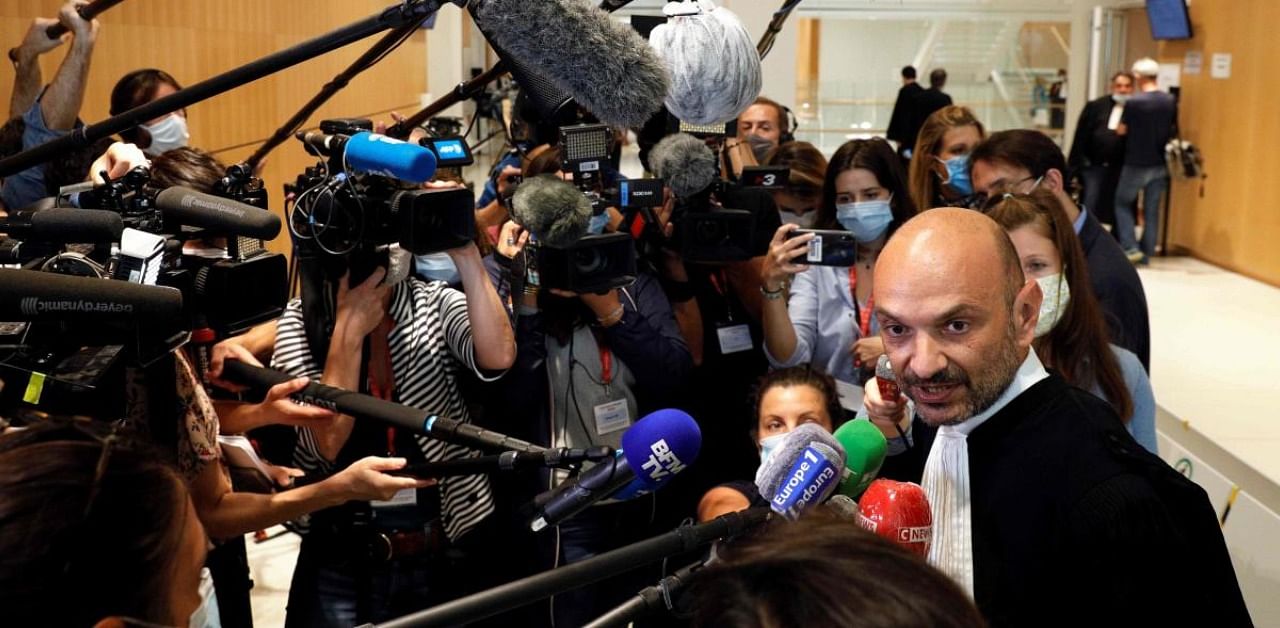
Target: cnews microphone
<point x="29" y="295"/>
<point x="223" y="216"/>
<point x="803" y="471"/>
<point x="864" y="449"/>
<point x="374" y="153"/>
<point x="63" y="225"/>
<point x="898" y="511"/>
<point x="653" y="450"/>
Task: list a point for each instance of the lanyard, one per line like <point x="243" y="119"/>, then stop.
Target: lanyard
<point x="863" y="316"/>
<point x="386" y="394"/>
<point x="720" y="281"/>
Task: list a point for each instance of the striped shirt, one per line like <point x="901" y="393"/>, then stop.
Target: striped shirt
<point x="430" y="343"/>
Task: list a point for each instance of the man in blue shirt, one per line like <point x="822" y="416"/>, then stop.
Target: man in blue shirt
<point x="53" y="113"/>
<point x="1147" y="125"/>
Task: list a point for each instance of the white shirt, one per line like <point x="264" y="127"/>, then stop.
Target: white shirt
<point x="1114" y="121"/>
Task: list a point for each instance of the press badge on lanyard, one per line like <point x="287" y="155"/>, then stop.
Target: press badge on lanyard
<point x="406" y="496"/>
<point x="734" y="337"/>
<point x="611" y="416"/>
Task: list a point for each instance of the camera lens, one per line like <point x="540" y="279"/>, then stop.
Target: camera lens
<point x="591" y="260"/>
<point x="708" y="231"/>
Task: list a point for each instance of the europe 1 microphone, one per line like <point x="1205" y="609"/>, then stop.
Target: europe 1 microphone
<point x="803" y="471"/>
<point x="656" y="448"/>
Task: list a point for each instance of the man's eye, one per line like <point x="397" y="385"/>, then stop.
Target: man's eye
<point x="895" y="330"/>
<point x="958" y="327"/>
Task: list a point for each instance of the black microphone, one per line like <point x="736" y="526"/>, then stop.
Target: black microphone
<point x="63" y="225"/>
<point x="18" y="252"/>
<point x="602" y="64"/>
<point x="649" y="599"/>
<point x="185" y="206"/>
<point x="29" y="295"/>
<point x="506" y="461"/>
<point x="365" y="406"/>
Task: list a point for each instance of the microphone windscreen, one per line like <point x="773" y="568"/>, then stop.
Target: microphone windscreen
<point x="29" y="295"/>
<point x="864" y="450"/>
<point x="66" y="225"/>
<point x="374" y="153"/>
<point x="659" y="446"/>
<point x="603" y="64"/>
<point x="685" y="163"/>
<point x="774" y="471"/>
<point x="552" y="209"/>
<point x="843" y="507"/>
<point x="810" y="480"/>
<point x="900" y="512"/>
<point x="714" y="66"/>
<point x="186" y="206"/>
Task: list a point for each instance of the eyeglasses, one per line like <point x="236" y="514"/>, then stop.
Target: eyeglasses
<point x="985" y="201"/>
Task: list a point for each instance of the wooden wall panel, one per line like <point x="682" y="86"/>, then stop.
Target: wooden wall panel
<point x="1233" y="222"/>
<point x="197" y="39"/>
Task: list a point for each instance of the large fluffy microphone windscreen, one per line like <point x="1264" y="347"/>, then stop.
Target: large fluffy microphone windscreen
<point x="603" y="64"/>
<point x="553" y="210"/>
<point x="185" y="206"/>
<point x="685" y="163"/>
<point x="28" y="295"/>
<point x="714" y="65"/>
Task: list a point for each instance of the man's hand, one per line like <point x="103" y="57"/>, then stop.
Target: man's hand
<point x="228" y="350"/>
<point x="507" y="188"/>
<point x="360" y="309"/>
<point x="281" y="410"/>
<point x="36" y="41"/>
<point x="366" y="479"/>
<point x="85" y="31"/>
<point x="886" y="414"/>
<point x="119" y="159"/>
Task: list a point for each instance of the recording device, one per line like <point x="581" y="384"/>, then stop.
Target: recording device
<point x="63" y="226"/>
<point x="654" y="449"/>
<point x="803" y="471"/>
<point x="584" y="148"/>
<point x="886" y="380"/>
<point x="900" y="512"/>
<point x="864" y="448"/>
<point x="563" y="458"/>
<point x="716" y="131"/>
<point x="829" y="247"/>
<point x="450" y="152"/>
<point x="636" y="193"/>
<point x="366" y="152"/>
<point x="561" y="254"/>
<point x="765" y="177"/>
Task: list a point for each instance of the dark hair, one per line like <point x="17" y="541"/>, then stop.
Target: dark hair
<point x="938" y="78"/>
<point x="11" y="136"/>
<point x="1022" y="148"/>
<point x="805" y="375"/>
<point x="783" y="125"/>
<point x="107" y="536"/>
<point x="136" y="88"/>
<point x="874" y="155"/>
<point x="545" y="162"/>
<point x="73" y="165"/>
<point x="925" y="184"/>
<point x="807" y="164"/>
<point x="909" y="72"/>
<point x="822" y="571"/>
<point x="1077" y="346"/>
<point x="1125" y="73"/>
<point x="188" y="167"/>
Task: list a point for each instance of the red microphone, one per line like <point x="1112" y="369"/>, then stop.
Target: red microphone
<point x="886" y="380"/>
<point x="898" y="511"/>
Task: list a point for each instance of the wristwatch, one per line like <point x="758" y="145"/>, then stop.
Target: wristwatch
<point x="773" y="295"/>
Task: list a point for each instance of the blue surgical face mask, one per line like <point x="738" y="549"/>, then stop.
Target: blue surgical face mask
<point x="438" y="267"/>
<point x="767" y="445"/>
<point x="958" y="174"/>
<point x="598" y="223"/>
<point x="866" y="220"/>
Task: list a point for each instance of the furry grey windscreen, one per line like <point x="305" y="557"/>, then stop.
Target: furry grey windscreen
<point x="774" y="471"/>
<point x="714" y="65"/>
<point x="555" y="211"/>
<point x="605" y="65"/>
<point x="684" y="163"/>
<point x="843" y="507"/>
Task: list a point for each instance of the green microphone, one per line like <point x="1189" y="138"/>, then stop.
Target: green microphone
<point x="864" y="448"/>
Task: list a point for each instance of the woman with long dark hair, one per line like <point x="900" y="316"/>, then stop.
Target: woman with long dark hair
<point x="1071" y="335"/>
<point x="827" y="321"/>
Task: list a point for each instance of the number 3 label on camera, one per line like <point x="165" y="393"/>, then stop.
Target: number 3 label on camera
<point x="814" y="255"/>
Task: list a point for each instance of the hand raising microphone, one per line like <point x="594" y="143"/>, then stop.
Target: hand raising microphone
<point x="886" y="405"/>
<point x="898" y="511"/>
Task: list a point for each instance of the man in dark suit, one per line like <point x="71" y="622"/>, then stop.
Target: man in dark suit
<point x="1097" y="153"/>
<point x="1044" y="507"/>
<point x="928" y="101"/>
<point x="900" y="121"/>
<point x="1022" y="159"/>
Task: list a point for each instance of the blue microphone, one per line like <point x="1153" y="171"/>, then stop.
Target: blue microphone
<point x="654" y="450"/>
<point x="373" y="153"/>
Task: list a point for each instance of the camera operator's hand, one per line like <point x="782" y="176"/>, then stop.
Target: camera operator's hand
<point x="511" y="239"/>
<point x="867" y="350"/>
<point x="607" y="307"/>
<point x="366" y="479"/>
<point x="278" y="409"/>
<point x="85" y="31"/>
<point x="228" y="349"/>
<point x="778" y="265"/>
<point x="506" y="187"/>
<point x="119" y="159"/>
<point x="36" y="41"/>
<point x="360" y="309"/>
<point x="884" y="413"/>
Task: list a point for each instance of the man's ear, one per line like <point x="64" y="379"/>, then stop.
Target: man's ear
<point x="1053" y="180"/>
<point x="1026" y="312"/>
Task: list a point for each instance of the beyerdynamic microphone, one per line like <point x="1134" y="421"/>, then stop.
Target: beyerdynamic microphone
<point x="802" y="471"/>
<point x="184" y="206"/>
<point x="864" y="449"/>
<point x="602" y="64"/>
<point x="900" y="512"/>
<point x="63" y="225"/>
<point x="551" y="209"/>
<point x="656" y="448"/>
<point x="374" y="153"/>
<point x="29" y="295"/>
<point x="684" y="163"/>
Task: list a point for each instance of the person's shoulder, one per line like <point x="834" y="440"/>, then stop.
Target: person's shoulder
<point x="1127" y="360"/>
<point x="1108" y="265"/>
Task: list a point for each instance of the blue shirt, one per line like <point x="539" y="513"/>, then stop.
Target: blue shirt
<point x="822" y="313"/>
<point x="27" y="187"/>
<point x="1079" y="223"/>
<point x="512" y="158"/>
<point x="1143" y="423"/>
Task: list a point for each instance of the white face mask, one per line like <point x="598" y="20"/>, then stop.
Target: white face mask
<point x="167" y="134"/>
<point x="1121" y="99"/>
<point x="206" y="615"/>
<point x="1054" y="306"/>
<point x="768" y="444"/>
